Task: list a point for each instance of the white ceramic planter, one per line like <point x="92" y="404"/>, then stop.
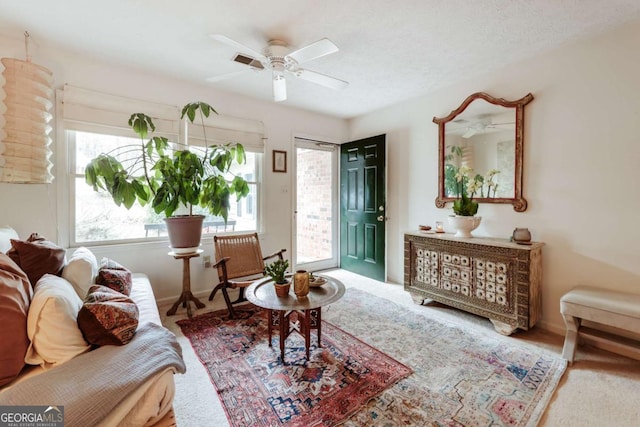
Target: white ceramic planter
<point x="464" y="225"/>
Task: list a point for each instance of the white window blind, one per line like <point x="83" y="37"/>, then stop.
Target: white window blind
<point x="221" y="129"/>
<point x="88" y="110"/>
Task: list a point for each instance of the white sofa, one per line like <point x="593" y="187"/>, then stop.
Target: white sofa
<point x="146" y="402"/>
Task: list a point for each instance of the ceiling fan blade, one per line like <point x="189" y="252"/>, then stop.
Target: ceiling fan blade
<point x="279" y="88"/>
<point x="314" y="50"/>
<point x="321" y="79"/>
<point x="505" y="125"/>
<point x="470" y="132"/>
<point x="226" y="76"/>
<point x="239" y="46"/>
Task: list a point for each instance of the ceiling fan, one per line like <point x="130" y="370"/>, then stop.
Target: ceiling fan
<point x="468" y="128"/>
<point x="282" y="63"/>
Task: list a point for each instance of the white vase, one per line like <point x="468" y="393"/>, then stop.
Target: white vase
<point x="464" y="225"/>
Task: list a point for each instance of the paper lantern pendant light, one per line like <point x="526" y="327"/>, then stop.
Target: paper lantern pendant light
<point x="25" y="154"/>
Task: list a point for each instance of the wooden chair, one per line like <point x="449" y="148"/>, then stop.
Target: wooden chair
<point x="238" y="257"/>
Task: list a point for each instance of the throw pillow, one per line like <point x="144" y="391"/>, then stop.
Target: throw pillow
<point x="6" y="234"/>
<point x="52" y="323"/>
<point x="108" y="317"/>
<point x="15" y="297"/>
<point x="81" y="270"/>
<point x="37" y="256"/>
<point x="114" y="276"/>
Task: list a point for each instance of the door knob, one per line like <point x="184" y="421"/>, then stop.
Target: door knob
<point x="381" y="218"/>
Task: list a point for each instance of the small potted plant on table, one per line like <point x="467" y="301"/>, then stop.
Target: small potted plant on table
<point x="277" y="271"/>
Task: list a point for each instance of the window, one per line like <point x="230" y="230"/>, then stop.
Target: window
<point x="240" y="215"/>
<point x="95" y="123"/>
<point x="250" y="199"/>
<point x="98" y="219"/>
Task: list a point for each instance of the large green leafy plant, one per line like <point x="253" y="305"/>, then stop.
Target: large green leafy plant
<point x="167" y="177"/>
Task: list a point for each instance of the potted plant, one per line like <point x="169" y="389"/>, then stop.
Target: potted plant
<point x="465" y="208"/>
<point x="171" y="178"/>
<point x="277" y="271"/>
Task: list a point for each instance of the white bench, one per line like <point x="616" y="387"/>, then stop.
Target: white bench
<point x="611" y="308"/>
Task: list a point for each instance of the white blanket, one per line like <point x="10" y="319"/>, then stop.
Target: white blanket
<point x="92" y="384"/>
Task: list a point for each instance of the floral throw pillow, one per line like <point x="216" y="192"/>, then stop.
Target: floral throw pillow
<point x="114" y="276"/>
<point x="108" y="317"/>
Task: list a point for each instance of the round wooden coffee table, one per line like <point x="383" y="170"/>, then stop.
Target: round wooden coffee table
<point x="292" y="314"/>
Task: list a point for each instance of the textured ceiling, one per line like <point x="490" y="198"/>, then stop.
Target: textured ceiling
<point x="389" y="50"/>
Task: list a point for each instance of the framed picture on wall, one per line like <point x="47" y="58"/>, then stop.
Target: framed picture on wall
<point x="279" y="161"/>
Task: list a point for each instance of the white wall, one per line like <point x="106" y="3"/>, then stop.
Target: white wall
<point x="43" y="208"/>
<point x="582" y="157"/>
<point x="581" y="163"/>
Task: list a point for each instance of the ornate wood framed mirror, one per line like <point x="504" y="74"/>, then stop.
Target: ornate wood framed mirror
<point x="486" y="135"/>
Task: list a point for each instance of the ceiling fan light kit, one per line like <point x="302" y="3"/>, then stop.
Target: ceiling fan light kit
<point x="279" y="87"/>
<point x="282" y="63"/>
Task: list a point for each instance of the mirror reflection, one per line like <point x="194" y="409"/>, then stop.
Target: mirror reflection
<point x="482" y="139"/>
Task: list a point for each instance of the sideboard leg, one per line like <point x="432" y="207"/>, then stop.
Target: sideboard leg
<point x="503" y="328"/>
<point x="418" y="299"/>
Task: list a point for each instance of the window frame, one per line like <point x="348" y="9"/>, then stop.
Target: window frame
<point x="86" y="110"/>
<point x="66" y="166"/>
<point x="73" y="176"/>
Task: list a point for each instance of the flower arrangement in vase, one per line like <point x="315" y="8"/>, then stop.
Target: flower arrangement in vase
<point x="464" y="207"/>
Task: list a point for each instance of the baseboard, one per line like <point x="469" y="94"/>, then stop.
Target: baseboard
<point x="607" y="341"/>
<point x="551" y="327"/>
<point x="598" y="338"/>
<point x="200" y="295"/>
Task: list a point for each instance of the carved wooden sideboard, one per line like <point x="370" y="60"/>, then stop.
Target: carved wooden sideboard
<point x="494" y="278"/>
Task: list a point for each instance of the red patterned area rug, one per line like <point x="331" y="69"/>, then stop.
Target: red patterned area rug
<point x="256" y="389"/>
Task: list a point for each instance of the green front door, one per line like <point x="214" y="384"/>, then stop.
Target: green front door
<point x="362" y="207"/>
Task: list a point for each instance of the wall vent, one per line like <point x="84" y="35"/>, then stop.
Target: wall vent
<point x="247" y="60"/>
